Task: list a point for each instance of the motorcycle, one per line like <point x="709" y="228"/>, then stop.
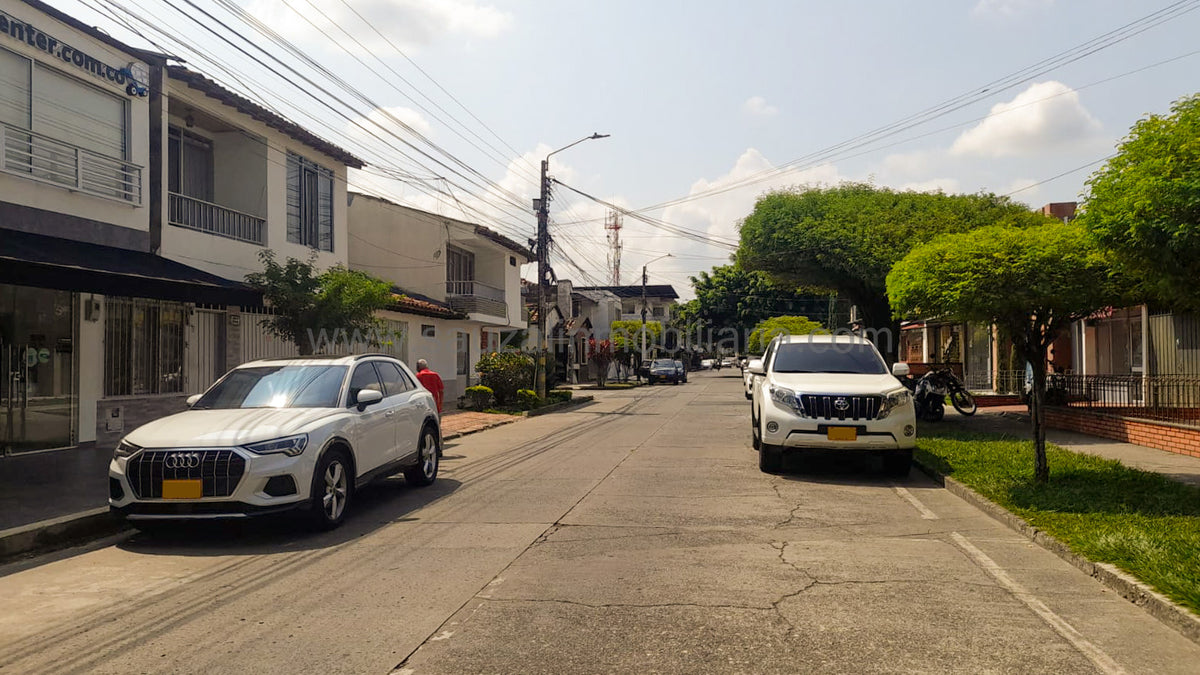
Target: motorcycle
<point x="930" y="392"/>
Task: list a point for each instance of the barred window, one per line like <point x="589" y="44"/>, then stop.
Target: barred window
<point x="309" y="203"/>
<point x="143" y="347"/>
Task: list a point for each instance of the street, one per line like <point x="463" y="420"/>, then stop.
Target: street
<point x="635" y="534"/>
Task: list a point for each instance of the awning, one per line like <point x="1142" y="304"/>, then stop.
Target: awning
<point x="67" y="265"/>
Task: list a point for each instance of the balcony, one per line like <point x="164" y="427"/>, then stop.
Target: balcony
<point x="197" y="214"/>
<point x="476" y="296"/>
<point x="43" y="159"/>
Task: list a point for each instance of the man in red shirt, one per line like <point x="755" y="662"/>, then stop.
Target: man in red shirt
<point x="431" y="381"/>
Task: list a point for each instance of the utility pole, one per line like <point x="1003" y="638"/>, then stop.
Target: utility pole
<point x="644" y="309"/>
<point x="543" y="265"/>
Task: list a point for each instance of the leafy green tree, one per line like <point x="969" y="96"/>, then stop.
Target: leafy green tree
<point x="1144" y="205"/>
<point x="335" y="302"/>
<point x="1030" y="282"/>
<point x="768" y="329"/>
<point x="732" y="300"/>
<point x="626" y="336"/>
<point x="847" y="238"/>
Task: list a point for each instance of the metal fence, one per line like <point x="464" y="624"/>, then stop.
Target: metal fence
<point x="1164" y="398"/>
<point x="143" y="346"/>
<point x="196" y="214"/>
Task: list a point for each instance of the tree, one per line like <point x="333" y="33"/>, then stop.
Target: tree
<point x="1030" y="282"/>
<point x="333" y="303"/>
<point x="1144" y="205"/>
<point x="732" y="300"/>
<point x="600" y="354"/>
<point x="768" y="329"/>
<point x="847" y="238"/>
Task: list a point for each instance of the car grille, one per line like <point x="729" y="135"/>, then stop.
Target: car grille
<point x="219" y="470"/>
<point x="841" y="407"/>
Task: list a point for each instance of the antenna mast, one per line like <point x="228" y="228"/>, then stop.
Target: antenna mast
<point x="612" y="226"/>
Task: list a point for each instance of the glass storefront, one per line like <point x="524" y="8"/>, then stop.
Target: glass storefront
<point x="38" y="406"/>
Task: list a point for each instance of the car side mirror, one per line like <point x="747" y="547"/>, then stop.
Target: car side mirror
<point x="368" y="397"/>
<point x="900" y="369"/>
<point x="756" y="367"/>
<point x="191" y="400"/>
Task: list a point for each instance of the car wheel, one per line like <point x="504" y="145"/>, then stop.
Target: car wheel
<point x="424" y="472"/>
<point x="897" y="463"/>
<point x="755" y="435"/>
<point x="652" y="380"/>
<point x="331" y="490"/>
<point x="770" y="458"/>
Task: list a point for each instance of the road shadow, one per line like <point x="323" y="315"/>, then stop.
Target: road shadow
<point x="838" y="468"/>
<point x="374" y="506"/>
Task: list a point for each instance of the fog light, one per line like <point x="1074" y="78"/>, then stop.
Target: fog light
<point x="772" y="426"/>
<point x="909" y="430"/>
<point x="115" y="491"/>
<point x="280" y="486"/>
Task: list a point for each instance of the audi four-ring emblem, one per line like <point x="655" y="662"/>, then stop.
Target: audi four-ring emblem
<point x="182" y="460"/>
<point x="841" y="403"/>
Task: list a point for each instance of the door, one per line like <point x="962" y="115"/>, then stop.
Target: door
<point x="205" y="350"/>
<point x="38" y="408"/>
<point x="374" y="431"/>
<point x="399" y="392"/>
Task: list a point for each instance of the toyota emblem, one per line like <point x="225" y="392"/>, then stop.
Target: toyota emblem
<point x="182" y="460"/>
<point x="841" y="403"/>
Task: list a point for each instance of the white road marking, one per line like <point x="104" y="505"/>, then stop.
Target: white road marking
<point x="1097" y="656"/>
<point x="908" y="496"/>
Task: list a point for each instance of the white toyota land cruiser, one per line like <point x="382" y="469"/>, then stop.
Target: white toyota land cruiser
<point x="830" y="392"/>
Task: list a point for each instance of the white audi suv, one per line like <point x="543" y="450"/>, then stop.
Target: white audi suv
<point x="830" y="392"/>
<point x="276" y="435"/>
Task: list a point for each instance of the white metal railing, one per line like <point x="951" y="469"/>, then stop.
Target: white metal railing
<point x="41" y="158"/>
<point x="197" y="214"/>
<point x="475" y="288"/>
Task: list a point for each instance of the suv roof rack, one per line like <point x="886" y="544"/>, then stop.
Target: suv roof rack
<point x="363" y="356"/>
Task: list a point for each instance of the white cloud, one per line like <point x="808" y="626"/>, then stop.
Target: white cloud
<point x="1045" y="117"/>
<point x="758" y="107"/>
<point x="410" y="24"/>
<point x="1008" y="8"/>
<point x="382" y="123"/>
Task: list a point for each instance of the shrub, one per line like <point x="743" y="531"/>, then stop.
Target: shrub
<point x="505" y="373"/>
<point x="527" y="399"/>
<point x="479" y="396"/>
<point x="558" y="395"/>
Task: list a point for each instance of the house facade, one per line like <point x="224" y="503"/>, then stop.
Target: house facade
<point x="134" y="197"/>
<point x="459" y="283"/>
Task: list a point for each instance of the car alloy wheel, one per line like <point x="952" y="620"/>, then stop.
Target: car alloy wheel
<point x="426" y="469"/>
<point x="336" y="487"/>
<point x="331" y="490"/>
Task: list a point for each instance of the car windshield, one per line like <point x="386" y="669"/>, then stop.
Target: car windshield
<point x="662" y="364"/>
<point x="276" y="387"/>
<point x="824" y="357"/>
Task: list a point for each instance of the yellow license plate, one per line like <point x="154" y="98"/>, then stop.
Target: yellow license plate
<point x="842" y="434"/>
<point x="183" y="489"/>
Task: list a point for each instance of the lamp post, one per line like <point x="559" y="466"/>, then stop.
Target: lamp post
<point x="542" y="206"/>
<point x="644" y="302"/>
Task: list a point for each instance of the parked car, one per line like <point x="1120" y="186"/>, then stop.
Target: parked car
<point x="748" y="377"/>
<point x="278" y="435"/>
<point x="830" y="392"/>
<point x="728" y="362"/>
<point x="706" y="364"/>
<point x="683" y="371"/>
<point x="667" y="370"/>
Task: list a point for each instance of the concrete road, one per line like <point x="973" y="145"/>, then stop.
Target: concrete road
<point x="633" y="535"/>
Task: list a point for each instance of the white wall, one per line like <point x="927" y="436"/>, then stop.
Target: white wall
<point x="403" y="245"/>
<point x="89" y="360"/>
<point x="38" y="195"/>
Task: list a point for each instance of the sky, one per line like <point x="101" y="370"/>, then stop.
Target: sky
<point x="454" y="103"/>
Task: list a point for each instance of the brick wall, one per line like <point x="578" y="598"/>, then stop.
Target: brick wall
<point x="133" y="412"/>
<point x="992" y="400"/>
<point x="1161" y="435"/>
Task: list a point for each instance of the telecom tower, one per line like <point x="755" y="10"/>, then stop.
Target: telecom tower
<point x="612" y="226"/>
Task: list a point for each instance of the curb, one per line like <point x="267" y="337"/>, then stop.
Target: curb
<point x="1156" y="604"/>
<point x="561" y="405"/>
<point x="493" y="425"/>
<point x="57" y="533"/>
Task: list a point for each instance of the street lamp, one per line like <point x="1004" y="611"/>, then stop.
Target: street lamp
<point x="668" y="255"/>
<point x="542" y="206"/>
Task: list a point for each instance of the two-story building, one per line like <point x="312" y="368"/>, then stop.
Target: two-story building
<point x="659" y="299"/>
<point x="134" y="198"/>
<point x="459" y="283"/>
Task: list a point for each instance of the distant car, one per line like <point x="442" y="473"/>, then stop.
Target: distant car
<point x="667" y="370"/>
<point x="276" y="435"/>
<point x="728" y="362"/>
<point x="706" y="364"/>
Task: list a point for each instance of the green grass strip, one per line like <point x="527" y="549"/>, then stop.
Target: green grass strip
<point x="1142" y="522"/>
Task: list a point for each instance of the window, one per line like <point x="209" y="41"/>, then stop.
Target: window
<point x="460" y="271"/>
<point x="464" y="353"/>
<point x="190" y="165"/>
<point x="143" y="347"/>
<point x="428" y="330"/>
<point x="309" y="203"/>
<point x="364" y="377"/>
<point x="276" y="387"/>
<point x="824" y="357"/>
<point x="393" y="380"/>
<point x="657" y="311"/>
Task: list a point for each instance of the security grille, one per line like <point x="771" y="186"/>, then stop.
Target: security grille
<point x="839" y="407"/>
<point x="143" y="346"/>
<point x="220" y="471"/>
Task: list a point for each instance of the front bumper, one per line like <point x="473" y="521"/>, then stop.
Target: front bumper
<point x="135" y="491"/>
<point x="794" y="431"/>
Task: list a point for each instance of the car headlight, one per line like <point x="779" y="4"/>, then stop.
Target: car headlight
<point x="787" y="398"/>
<point x="126" y="449"/>
<point x="290" y="446"/>
<point x="893" y="400"/>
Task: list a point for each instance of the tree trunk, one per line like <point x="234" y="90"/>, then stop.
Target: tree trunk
<point x="1037" y="415"/>
<point x="878" y="317"/>
<point x="304" y="347"/>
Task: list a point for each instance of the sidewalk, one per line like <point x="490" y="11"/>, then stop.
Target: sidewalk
<point x="1014" y="421"/>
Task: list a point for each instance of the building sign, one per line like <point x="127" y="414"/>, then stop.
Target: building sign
<point x="25" y="32"/>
